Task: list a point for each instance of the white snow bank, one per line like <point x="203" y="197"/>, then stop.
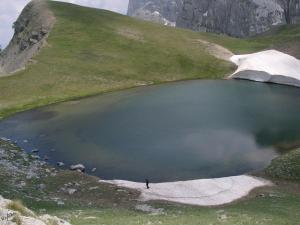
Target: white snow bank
<point x="272" y="66"/>
<point x="204" y="192"/>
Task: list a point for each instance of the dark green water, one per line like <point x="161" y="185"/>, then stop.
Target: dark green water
<point x="179" y="131"/>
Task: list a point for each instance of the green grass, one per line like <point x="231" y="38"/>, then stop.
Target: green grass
<point x="272" y="207"/>
<point x="92" y="51"/>
<point x="286" y="166"/>
<point x="18" y="206"/>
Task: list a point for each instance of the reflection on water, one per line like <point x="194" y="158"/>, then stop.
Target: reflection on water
<point x="179" y="131"/>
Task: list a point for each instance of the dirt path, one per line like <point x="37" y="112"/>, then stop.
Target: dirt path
<point x="216" y="50"/>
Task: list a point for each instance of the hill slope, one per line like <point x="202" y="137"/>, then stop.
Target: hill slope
<point x="91" y="51"/>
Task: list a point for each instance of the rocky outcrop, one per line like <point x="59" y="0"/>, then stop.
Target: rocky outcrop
<point x="233" y="17"/>
<point x="295" y="11"/>
<point x="160" y="11"/>
<point x="14" y="213"/>
<point x="31" y="31"/>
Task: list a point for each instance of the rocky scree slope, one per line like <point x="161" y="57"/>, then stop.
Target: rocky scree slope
<point x="160" y="11"/>
<point x="232" y="17"/>
<point x="31" y="31"/>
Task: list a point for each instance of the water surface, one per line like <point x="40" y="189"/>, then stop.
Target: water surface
<point x="179" y="131"/>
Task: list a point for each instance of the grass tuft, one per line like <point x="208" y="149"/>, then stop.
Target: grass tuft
<point x="18" y="206"/>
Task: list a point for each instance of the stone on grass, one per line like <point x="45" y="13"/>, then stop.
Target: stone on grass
<point x="78" y="167"/>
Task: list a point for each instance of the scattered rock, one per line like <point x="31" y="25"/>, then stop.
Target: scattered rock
<point x="262" y="195"/>
<point x="44" y="31"/>
<point x="150" y="209"/>
<point x="35" y="151"/>
<point x="60" y="164"/>
<point x="223" y="217"/>
<point x="4" y="139"/>
<point x="78" y="167"/>
<point x="93" y="170"/>
<point x="93" y="188"/>
<point x="60" y="202"/>
<point x="35" y="157"/>
<point x="35" y="35"/>
<point x="23" y="45"/>
<point x="41" y="186"/>
<point x="71" y="191"/>
<point x="21" y="184"/>
<point x="33" y="41"/>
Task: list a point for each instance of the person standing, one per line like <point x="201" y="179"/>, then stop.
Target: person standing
<point x="147" y="184"/>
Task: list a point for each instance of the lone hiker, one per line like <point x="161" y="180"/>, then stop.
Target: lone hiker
<point x="147" y="184"/>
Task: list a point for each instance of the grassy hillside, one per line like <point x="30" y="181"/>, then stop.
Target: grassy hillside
<point x="92" y="51"/>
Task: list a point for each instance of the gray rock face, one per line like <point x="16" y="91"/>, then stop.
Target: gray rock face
<point x="31" y="30"/>
<point x="233" y="17"/>
<point x="161" y="11"/>
<point x="295" y="11"/>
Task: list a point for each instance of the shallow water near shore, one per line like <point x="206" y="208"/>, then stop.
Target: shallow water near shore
<point x="177" y="131"/>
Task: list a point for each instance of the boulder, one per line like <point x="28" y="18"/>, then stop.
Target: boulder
<point x="71" y="191"/>
<point x="35" y="35"/>
<point x="60" y="164"/>
<point x="33" y="41"/>
<point x="35" y="151"/>
<point x="44" y="32"/>
<point x="78" y="167"/>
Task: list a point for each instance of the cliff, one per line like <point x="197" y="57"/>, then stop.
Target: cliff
<point x="232" y="17"/>
<point x="31" y="31"/>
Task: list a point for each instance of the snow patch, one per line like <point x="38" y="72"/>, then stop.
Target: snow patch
<point x="271" y="66"/>
<point x="203" y="192"/>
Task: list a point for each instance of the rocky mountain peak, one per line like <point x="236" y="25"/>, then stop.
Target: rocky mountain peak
<point x="232" y="17"/>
